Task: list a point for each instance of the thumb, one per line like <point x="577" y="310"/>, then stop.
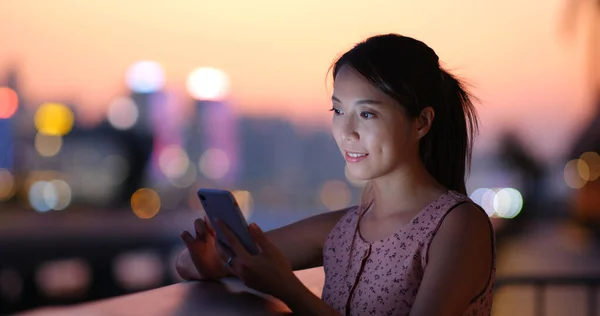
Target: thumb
<point x="260" y="238"/>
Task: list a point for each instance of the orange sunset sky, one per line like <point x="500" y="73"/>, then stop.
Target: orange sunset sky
<point x="526" y="73"/>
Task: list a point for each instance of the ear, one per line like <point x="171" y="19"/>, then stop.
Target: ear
<point x="424" y="121"/>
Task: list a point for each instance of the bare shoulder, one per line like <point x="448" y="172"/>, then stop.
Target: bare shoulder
<point x="466" y="221"/>
<point x="467" y="227"/>
<point x="460" y="263"/>
<point x="464" y="246"/>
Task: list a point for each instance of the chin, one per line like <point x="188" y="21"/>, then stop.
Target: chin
<point x="360" y="174"/>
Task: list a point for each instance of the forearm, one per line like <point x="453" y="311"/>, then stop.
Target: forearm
<point x="302" y="254"/>
<point x="302" y="241"/>
<point x="303" y="302"/>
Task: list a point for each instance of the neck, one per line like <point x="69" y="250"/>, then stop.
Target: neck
<point x="405" y="190"/>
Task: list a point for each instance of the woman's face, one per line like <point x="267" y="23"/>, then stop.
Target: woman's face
<point x="371" y="129"/>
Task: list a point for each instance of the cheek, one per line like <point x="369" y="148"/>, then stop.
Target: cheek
<point x="388" y="144"/>
<point x="376" y="142"/>
<point x="335" y="131"/>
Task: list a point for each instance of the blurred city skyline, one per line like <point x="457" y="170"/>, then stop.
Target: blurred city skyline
<point x="114" y="113"/>
<point x="525" y="75"/>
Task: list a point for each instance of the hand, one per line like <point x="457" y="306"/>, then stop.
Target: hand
<point x="269" y="271"/>
<point x="203" y="252"/>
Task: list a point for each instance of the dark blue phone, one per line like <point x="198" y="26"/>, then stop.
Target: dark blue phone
<point x="222" y="204"/>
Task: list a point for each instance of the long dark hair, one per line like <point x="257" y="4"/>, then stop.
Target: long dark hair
<point x="409" y="71"/>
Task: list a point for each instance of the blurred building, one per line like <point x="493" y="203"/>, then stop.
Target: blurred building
<point x="285" y="167"/>
<point x="6" y="144"/>
<point x="142" y="143"/>
<point x="11" y="112"/>
<point x="585" y="159"/>
<point x="213" y="142"/>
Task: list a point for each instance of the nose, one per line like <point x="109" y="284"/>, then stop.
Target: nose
<point x="348" y="131"/>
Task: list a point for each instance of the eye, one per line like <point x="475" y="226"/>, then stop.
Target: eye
<point x="367" y="115"/>
<point x="335" y="111"/>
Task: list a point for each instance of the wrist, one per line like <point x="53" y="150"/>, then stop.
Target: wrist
<point x="296" y="295"/>
<point x="300" y="300"/>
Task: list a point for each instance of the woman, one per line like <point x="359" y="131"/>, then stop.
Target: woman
<point x="416" y="245"/>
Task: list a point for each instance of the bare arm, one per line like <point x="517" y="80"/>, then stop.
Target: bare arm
<point x="301" y="242"/>
<point x="460" y="263"/>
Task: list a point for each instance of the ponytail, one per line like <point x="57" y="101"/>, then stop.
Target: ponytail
<point x="446" y="150"/>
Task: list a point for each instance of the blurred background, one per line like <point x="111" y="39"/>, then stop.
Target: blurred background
<point x="113" y="114"/>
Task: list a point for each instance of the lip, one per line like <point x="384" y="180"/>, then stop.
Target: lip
<point x="354" y="159"/>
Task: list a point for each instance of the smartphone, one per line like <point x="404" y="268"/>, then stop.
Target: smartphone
<point x="221" y="204"/>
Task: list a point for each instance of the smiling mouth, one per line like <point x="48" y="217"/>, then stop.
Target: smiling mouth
<point x="356" y="155"/>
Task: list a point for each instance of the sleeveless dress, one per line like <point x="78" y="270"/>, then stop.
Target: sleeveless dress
<point x="383" y="277"/>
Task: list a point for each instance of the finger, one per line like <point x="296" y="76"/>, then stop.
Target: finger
<point x="187" y="237"/>
<point x="209" y="226"/>
<point x="260" y="238"/>
<point x="234" y="242"/>
<point x="200" y="227"/>
<point x="225" y="254"/>
<point x="223" y="251"/>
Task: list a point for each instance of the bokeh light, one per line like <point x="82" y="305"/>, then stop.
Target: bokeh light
<point x="484" y="197"/>
<point x="145" y="77"/>
<point x="503" y="202"/>
<point x="214" y="163"/>
<point x="145" y="203"/>
<point x="592" y="162"/>
<point x="9" y="102"/>
<point x="508" y="203"/>
<point x="37" y="176"/>
<point x="583" y="170"/>
<point x="7" y="185"/>
<point x="173" y="161"/>
<point x="138" y="270"/>
<point x="123" y="113"/>
<point x="206" y="83"/>
<point x="187" y="179"/>
<point x="49" y="195"/>
<point x="245" y="201"/>
<point x="335" y="195"/>
<point x="48" y="145"/>
<point x="37" y="196"/>
<point x="572" y="174"/>
<point x="54" y="119"/>
<point x="61" y="197"/>
<point x="64" y="278"/>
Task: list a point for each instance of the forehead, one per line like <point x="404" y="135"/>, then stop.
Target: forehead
<point x="349" y="84"/>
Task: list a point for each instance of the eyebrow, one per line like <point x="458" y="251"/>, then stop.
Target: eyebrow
<point x="361" y="101"/>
